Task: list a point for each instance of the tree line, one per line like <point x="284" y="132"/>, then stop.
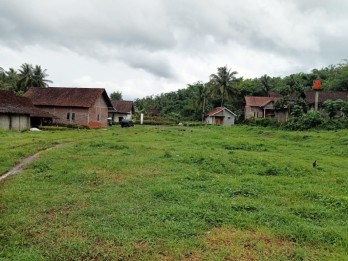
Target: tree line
<point x="225" y="88"/>
<point x="19" y="81"/>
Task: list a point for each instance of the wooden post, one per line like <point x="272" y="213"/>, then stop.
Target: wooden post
<point x="316" y="87"/>
<point x="316" y="100"/>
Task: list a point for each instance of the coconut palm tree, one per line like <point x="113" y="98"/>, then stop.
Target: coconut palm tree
<point x="12" y="79"/>
<point x="30" y="76"/>
<point x="201" y="95"/>
<point x="266" y="84"/>
<point x="223" y="81"/>
<point x="39" y="77"/>
<point x="25" y="76"/>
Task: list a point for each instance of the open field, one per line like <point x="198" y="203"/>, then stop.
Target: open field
<point x="175" y="193"/>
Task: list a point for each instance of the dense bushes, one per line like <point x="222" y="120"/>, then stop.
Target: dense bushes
<point x="316" y="120"/>
<point x="307" y="121"/>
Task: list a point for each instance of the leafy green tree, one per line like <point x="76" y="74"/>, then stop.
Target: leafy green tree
<point x="333" y="107"/>
<point x="339" y="79"/>
<point x="344" y="109"/>
<point x="116" y="95"/>
<point x="223" y="82"/>
<point x="297" y="111"/>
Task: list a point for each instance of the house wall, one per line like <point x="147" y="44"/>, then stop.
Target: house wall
<point x="116" y="116"/>
<point x="210" y="120"/>
<point x="81" y="115"/>
<point x="228" y="120"/>
<point x="93" y="117"/>
<point x="17" y="122"/>
<point x="253" y="112"/>
<point x="281" y="116"/>
<point x="98" y="114"/>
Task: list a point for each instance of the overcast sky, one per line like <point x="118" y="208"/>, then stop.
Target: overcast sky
<point x="148" y="47"/>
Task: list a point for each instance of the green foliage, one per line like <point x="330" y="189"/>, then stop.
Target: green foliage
<point x="265" y="122"/>
<point x="116" y="95"/>
<point x="312" y="119"/>
<point x="26" y="77"/>
<point x="297" y="111"/>
<point x="333" y="107"/>
<point x="222" y="82"/>
<point x="199" y="98"/>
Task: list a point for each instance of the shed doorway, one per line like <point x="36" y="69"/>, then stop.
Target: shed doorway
<point x="218" y="120"/>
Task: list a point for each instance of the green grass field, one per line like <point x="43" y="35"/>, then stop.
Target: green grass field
<point x="175" y="193"/>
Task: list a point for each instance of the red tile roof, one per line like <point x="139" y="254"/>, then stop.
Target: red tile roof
<point x="326" y="95"/>
<point x="258" y="101"/>
<point x="66" y="97"/>
<point x="10" y="103"/>
<point x="215" y="111"/>
<point x="219" y="109"/>
<point x="123" y="106"/>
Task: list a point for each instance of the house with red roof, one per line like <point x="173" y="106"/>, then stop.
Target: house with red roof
<point x="76" y="106"/>
<point x="121" y="110"/>
<point x="221" y="116"/>
<point x="18" y="113"/>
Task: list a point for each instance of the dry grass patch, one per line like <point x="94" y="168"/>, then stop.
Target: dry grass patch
<point x="236" y="244"/>
<point x="112" y="176"/>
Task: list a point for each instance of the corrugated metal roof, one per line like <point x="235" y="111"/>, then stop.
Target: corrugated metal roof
<point x="66" y="97"/>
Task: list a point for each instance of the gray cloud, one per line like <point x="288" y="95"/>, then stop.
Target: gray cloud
<point x="171" y="39"/>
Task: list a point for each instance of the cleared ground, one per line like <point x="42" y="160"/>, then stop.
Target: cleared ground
<point x="175" y="193"/>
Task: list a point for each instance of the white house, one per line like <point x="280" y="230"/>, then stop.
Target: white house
<point x="122" y="110"/>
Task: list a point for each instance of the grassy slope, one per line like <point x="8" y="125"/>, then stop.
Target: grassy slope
<point x="176" y="193"/>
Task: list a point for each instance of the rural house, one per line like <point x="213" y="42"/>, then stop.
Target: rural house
<point x="121" y="110"/>
<point x="259" y="107"/>
<point x="324" y="96"/>
<point x="76" y="106"/>
<point x="221" y="116"/>
<point x="18" y="113"/>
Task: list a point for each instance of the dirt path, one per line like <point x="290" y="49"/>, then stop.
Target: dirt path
<point x="25" y="162"/>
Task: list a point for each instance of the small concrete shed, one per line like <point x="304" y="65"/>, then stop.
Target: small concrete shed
<point x="221" y="116"/>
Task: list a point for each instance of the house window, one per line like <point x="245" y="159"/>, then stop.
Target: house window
<point x="98" y="117"/>
<point x="229" y="118"/>
<point x="73" y="116"/>
<point x="68" y="116"/>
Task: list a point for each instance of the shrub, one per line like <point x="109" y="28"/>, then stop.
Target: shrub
<point x="266" y="122"/>
<point x="158" y="122"/>
<point x="311" y="120"/>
